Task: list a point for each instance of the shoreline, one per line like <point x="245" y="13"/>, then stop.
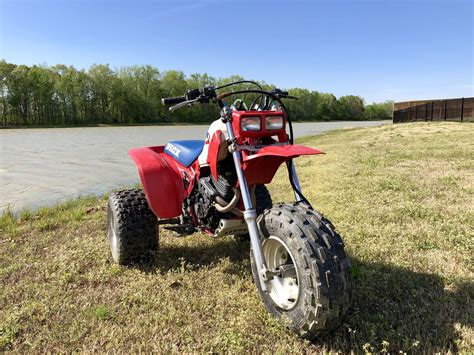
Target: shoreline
<point x="154" y="124"/>
<point x="106" y="125"/>
<point x="106" y="159"/>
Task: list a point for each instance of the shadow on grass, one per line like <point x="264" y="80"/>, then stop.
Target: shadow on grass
<point x="173" y="256"/>
<point x="396" y="309"/>
<point x="392" y="309"/>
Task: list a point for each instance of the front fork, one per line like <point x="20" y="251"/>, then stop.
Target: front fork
<point x="250" y="214"/>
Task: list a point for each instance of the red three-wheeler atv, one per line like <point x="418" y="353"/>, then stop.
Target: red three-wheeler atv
<point x="217" y="186"/>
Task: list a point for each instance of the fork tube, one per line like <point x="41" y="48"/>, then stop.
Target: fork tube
<point x="250" y="214"/>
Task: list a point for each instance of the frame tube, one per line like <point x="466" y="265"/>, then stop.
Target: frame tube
<point x="294" y="177"/>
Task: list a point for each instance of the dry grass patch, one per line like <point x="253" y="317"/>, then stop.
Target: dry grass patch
<point x="401" y="196"/>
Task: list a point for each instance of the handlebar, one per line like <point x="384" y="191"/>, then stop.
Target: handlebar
<point x="173" y="100"/>
<point x="209" y="94"/>
<point x="275" y="94"/>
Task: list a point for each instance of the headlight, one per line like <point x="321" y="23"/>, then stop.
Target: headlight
<point x="274" y="122"/>
<point x="250" y="123"/>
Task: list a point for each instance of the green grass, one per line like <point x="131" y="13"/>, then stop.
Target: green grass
<point x="401" y="196"/>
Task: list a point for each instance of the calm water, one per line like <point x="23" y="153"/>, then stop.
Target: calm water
<point x="44" y="166"/>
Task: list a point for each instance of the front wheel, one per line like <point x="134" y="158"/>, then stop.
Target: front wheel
<point x="312" y="291"/>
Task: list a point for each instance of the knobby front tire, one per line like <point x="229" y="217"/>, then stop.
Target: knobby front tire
<point x="314" y="294"/>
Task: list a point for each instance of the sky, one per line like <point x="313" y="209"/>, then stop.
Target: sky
<point x="378" y="49"/>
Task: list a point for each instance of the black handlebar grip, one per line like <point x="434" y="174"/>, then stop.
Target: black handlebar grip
<point x="173" y="100"/>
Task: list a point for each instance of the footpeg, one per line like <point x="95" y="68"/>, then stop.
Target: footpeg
<point x="182" y="230"/>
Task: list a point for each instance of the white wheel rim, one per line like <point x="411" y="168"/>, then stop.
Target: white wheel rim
<point x="112" y="236"/>
<point x="284" y="291"/>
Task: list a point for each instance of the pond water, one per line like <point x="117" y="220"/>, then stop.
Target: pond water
<point x="44" y="166"/>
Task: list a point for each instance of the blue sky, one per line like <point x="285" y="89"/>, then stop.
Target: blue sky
<point x="401" y="50"/>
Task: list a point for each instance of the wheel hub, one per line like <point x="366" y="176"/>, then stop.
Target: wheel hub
<point x="283" y="287"/>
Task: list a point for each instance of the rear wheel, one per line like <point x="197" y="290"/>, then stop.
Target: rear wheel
<point x="313" y="288"/>
<point x="132" y="227"/>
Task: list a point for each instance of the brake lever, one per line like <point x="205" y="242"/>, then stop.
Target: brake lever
<point x="183" y="104"/>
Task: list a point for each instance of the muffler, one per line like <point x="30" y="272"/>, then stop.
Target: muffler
<point x="231" y="227"/>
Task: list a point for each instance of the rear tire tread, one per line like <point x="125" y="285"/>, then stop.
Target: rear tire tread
<point x="135" y="224"/>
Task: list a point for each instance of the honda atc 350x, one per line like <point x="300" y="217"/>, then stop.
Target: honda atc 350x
<point x="217" y="186"/>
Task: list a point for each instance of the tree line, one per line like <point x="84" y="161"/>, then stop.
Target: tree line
<point x="63" y="96"/>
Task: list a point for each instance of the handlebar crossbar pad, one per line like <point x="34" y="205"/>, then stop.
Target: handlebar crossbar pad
<point x="172" y="100"/>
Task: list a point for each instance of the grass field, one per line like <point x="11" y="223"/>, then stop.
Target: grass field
<point x="401" y="196"/>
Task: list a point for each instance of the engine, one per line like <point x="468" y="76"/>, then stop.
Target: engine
<point x="207" y="190"/>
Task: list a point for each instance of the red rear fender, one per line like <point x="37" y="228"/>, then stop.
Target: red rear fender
<point x="162" y="180"/>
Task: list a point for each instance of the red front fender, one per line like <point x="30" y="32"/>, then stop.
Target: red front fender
<point x="286" y="151"/>
<point x="162" y="180"/>
<point x="259" y="168"/>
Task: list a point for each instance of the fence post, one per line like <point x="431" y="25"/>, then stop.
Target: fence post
<point x="462" y="109"/>
<point x="445" y="109"/>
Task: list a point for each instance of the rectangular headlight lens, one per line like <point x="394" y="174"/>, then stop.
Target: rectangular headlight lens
<point x="274" y="122"/>
<point x="252" y="123"/>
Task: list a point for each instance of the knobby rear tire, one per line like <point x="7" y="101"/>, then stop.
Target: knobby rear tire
<point x="323" y="269"/>
<point x="132" y="227"/>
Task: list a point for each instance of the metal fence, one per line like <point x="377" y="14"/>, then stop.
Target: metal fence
<point x="460" y="110"/>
